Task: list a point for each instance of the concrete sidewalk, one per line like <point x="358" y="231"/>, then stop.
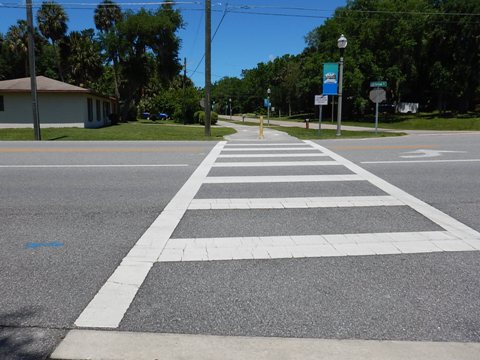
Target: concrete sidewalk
<point x="112" y="345"/>
<point x="251" y="133"/>
<point x="325" y="125"/>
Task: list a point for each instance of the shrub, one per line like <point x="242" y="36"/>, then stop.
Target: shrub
<point x="201" y="117"/>
<point x="179" y="105"/>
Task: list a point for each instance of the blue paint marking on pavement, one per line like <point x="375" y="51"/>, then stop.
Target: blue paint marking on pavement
<point x="37" y="245"/>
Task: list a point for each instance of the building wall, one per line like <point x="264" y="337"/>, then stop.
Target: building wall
<point x="54" y="108"/>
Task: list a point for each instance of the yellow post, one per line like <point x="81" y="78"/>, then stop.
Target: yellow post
<point x="260" y="134"/>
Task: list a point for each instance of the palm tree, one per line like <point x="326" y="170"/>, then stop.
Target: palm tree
<point x="52" y="22"/>
<point x="107" y="15"/>
<point x="81" y="55"/>
<point x="16" y="40"/>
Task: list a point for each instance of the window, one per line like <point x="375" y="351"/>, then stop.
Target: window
<point x="2" y="108"/>
<point x="106" y="110"/>
<point x="99" y="113"/>
<point x="90" y="109"/>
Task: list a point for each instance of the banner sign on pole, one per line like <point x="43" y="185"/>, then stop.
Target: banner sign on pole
<point x="266" y="103"/>
<point x="330" y="79"/>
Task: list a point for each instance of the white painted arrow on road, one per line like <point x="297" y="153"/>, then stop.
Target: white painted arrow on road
<point x="424" y="153"/>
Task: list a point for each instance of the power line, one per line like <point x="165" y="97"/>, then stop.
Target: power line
<point x="213" y="37"/>
<point x="243" y="9"/>
<point x="196" y="34"/>
<point x="344" y="9"/>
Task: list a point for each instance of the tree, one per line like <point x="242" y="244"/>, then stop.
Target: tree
<point x="80" y="54"/>
<point x="16" y="42"/>
<point x="107" y="15"/>
<point x="148" y="49"/>
<point x="52" y="22"/>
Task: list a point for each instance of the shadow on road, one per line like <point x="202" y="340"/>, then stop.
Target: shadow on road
<point x="23" y="342"/>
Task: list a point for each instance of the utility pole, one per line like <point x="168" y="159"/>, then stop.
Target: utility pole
<point x="184" y="85"/>
<point x="208" y="63"/>
<point x="33" y="76"/>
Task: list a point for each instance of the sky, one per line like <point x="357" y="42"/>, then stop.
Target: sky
<point x="248" y="31"/>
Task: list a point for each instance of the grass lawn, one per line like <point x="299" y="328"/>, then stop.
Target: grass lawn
<point x="123" y="131"/>
<point x="425" y="122"/>
<point x="422" y="121"/>
<point x="305" y="134"/>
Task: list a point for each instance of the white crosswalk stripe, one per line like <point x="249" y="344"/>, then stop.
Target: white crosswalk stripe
<point x="294" y="203"/>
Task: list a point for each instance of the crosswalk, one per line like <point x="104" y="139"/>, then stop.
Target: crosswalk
<point x="460" y="238"/>
<point x="254" y="166"/>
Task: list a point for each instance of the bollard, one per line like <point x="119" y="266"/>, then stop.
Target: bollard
<point x="260" y="130"/>
<point x="307" y="121"/>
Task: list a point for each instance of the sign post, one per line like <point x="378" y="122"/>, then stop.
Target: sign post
<point x="377" y="95"/>
<point x="320" y="100"/>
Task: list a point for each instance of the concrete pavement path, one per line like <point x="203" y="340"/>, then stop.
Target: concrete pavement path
<point x="251" y="133"/>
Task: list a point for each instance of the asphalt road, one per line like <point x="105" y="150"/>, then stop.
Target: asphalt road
<point x="70" y="212"/>
<point x="95" y="213"/>
<point x="449" y="181"/>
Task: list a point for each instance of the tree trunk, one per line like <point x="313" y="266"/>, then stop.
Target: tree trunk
<point x="59" y="61"/>
<point x="115" y="77"/>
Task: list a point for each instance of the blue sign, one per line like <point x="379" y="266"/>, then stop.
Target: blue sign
<point x="330" y="79"/>
<point x="266" y="103"/>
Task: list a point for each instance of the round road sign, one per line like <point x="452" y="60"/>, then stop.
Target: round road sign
<point x="378" y="95"/>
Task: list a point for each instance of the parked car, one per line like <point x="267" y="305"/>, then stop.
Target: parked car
<point x="159" y="116"/>
<point x="146" y="115"/>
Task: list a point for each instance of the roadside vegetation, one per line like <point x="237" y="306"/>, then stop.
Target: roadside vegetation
<point x="425" y="50"/>
<point x="425" y="122"/>
<point x="144" y="130"/>
<point x="422" y="121"/>
<point x="305" y="134"/>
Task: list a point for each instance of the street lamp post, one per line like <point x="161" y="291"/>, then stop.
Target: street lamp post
<point x="230" y="101"/>
<point x="268" y="106"/>
<point x="342" y="44"/>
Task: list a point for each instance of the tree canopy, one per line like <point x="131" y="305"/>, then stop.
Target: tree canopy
<point x="132" y="53"/>
<point x="427" y="51"/>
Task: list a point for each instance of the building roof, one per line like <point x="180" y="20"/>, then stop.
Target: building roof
<point x="44" y="84"/>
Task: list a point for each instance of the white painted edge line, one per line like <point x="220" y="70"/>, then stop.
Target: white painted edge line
<point x="293" y="203"/>
<point x="419" y="161"/>
<point x="276" y="163"/>
<point x="270" y="149"/>
<point x="108" y="345"/>
<point x="93" y="166"/>
<point x="107" y="308"/>
<point x="445" y="221"/>
<point x="313" y="246"/>
<point x="270" y="155"/>
<point x="279" y="179"/>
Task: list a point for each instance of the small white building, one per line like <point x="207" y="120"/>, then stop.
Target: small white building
<point x="59" y="104"/>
